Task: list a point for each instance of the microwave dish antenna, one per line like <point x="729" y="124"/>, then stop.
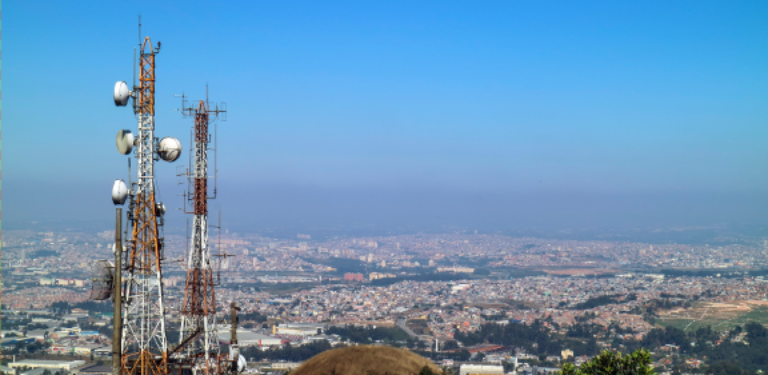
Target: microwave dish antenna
<point x="102" y="280"/>
<point x="119" y="192"/>
<point x="122" y="94"/>
<point x="160" y="208"/>
<point x="124" y="142"/>
<point x="169" y="149"/>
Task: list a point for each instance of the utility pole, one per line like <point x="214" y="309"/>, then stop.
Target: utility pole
<point x="234" y="348"/>
<point x="117" y="295"/>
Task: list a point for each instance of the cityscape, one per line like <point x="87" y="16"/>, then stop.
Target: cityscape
<point x="435" y="289"/>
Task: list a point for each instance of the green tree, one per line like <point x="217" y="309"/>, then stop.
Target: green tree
<point x="450" y="345"/>
<point x="608" y="363"/>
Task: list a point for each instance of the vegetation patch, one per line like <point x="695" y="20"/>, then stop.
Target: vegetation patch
<point x="368" y="334"/>
<point x="419" y="326"/>
<point x="721" y="316"/>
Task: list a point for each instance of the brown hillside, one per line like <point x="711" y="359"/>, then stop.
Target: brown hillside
<point x="362" y="360"/>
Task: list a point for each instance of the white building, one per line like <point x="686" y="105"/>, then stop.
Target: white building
<point x="249" y="338"/>
<point x="481" y="370"/>
<point x="41" y="363"/>
<point x="299" y="329"/>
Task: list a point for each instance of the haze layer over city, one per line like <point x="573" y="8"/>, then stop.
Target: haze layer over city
<point x="591" y="173"/>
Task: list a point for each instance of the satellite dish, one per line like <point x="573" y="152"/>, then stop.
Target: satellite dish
<point x="124" y="142"/>
<point x="160" y="209"/>
<point x="119" y="192"/>
<point x="102" y="280"/>
<point x="169" y="149"/>
<point x="241" y="363"/>
<point x="122" y="94"/>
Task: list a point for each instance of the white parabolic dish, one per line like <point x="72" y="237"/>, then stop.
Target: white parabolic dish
<point x="122" y="94"/>
<point x="169" y="149"/>
<point x="124" y="142"/>
<point x="241" y="363"/>
<point x="119" y="192"/>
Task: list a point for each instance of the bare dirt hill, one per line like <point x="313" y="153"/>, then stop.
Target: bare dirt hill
<point x="362" y="360"/>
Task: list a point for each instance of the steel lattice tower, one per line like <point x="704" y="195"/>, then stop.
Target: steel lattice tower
<point x="198" y="322"/>
<point x="144" y="341"/>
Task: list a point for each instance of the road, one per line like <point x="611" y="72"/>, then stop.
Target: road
<point x="401" y="324"/>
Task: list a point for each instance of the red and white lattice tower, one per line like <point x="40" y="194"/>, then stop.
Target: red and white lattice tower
<point x="198" y="312"/>
<point x="144" y="344"/>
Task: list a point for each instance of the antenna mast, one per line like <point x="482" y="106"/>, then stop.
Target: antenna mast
<point x="143" y="341"/>
<point x="198" y="342"/>
<point x="145" y="344"/>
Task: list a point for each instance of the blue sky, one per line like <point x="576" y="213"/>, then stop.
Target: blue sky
<point x="417" y="99"/>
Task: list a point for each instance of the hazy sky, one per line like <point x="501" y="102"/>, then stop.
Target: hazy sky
<point x="513" y="113"/>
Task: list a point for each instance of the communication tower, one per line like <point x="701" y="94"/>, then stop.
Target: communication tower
<point x="143" y="339"/>
<point x="198" y="313"/>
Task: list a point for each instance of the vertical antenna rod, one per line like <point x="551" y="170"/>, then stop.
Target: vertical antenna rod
<point x="117" y="295"/>
<point x="234" y="347"/>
